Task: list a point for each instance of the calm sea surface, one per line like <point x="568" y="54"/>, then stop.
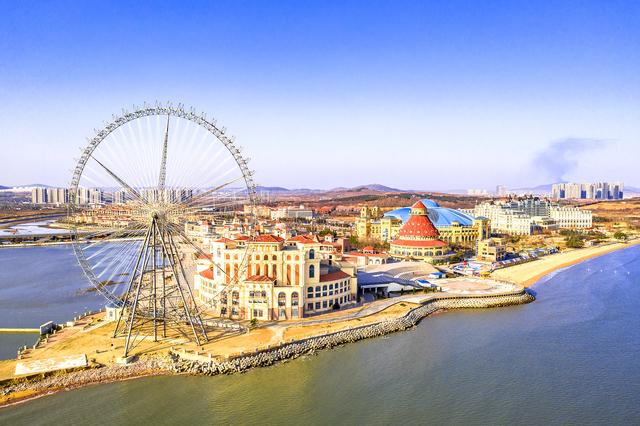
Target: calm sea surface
<point x="40" y="284"/>
<point x="571" y="357"/>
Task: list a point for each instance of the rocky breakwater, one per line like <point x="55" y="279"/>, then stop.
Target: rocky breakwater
<point x="41" y="384"/>
<point x="312" y="345"/>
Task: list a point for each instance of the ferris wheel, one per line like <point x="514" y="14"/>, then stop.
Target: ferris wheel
<point x="149" y="192"/>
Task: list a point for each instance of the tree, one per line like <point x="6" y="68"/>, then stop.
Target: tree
<point x="573" y="241"/>
<point x="619" y="235"/>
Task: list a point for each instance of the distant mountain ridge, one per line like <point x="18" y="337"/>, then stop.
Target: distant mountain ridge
<point x="371" y="187"/>
<point x="23" y="188"/>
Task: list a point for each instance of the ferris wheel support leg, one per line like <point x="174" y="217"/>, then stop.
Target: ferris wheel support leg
<point x="177" y="283"/>
<point x="135" y="302"/>
<point x="192" y="299"/>
<point x="155" y="311"/>
<point x="130" y="286"/>
<point x="163" y="302"/>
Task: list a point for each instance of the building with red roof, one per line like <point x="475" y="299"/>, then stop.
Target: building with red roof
<point x="418" y="238"/>
<point x="272" y="279"/>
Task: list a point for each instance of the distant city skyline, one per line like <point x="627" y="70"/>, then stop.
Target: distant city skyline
<point x="408" y="95"/>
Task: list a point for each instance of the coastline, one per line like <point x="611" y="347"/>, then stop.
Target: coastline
<point x="528" y="274"/>
<point x="24" y="390"/>
<point x="21" y="390"/>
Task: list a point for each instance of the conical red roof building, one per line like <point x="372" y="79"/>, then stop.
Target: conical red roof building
<point x="418" y="238"/>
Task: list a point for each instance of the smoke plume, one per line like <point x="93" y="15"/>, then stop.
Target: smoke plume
<point x="562" y="156"/>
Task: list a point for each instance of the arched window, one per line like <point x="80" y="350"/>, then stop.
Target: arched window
<point x="297" y="269"/>
<point x="257" y="257"/>
<point x="297" y="257"/>
<point x="312" y="254"/>
<point x="264" y="294"/>
<point x="266" y="257"/>
<point x="273" y="271"/>
<point x="227" y="256"/>
<point x="295" y="300"/>
<point x="282" y="299"/>
<point x="312" y="271"/>
<point x="288" y="257"/>
<point x="288" y="274"/>
<point x="257" y="269"/>
<point x="227" y="269"/>
<point x="274" y="257"/>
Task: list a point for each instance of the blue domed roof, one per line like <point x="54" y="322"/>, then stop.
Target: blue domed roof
<point x="441" y="217"/>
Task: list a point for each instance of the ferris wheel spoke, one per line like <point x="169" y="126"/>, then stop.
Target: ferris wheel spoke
<point x="193" y="199"/>
<point x="198" y="249"/>
<point x="162" y="178"/>
<point x="210" y="209"/>
<point x="120" y="181"/>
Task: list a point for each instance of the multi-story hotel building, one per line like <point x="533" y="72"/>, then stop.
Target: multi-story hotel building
<point x="269" y="278"/>
<point x="529" y="215"/>
<point x="454" y="226"/>
<point x="571" y="217"/>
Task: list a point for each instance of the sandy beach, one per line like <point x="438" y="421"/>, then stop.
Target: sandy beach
<point x="528" y="274"/>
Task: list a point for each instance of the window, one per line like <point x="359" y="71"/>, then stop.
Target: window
<point x="309" y="306"/>
<point x="223" y="310"/>
<point x="324" y="303"/>
<point x="312" y="254"/>
<point x="265" y="257"/>
<point x="324" y="290"/>
<point x="330" y="286"/>
<point x="317" y="305"/>
<point x="295" y="299"/>
<point x="282" y="299"/>
<point x="312" y="271"/>
<point x="264" y="294"/>
<point x="234" y="311"/>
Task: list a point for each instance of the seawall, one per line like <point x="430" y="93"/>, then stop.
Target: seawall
<point x="310" y="345"/>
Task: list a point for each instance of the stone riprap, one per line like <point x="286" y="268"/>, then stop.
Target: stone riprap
<point x="314" y="344"/>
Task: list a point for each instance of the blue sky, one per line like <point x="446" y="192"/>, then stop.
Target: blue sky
<point x="424" y="95"/>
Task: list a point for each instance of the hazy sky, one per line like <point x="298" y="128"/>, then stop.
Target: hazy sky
<point x="423" y="95"/>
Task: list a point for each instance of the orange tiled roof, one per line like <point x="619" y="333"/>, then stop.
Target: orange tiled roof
<point x="419" y="225"/>
<point x="259" y="278"/>
<point x="419" y="243"/>
<point x="303" y="239"/>
<point x="207" y="273"/>
<point x="268" y="239"/>
<point x="334" y="276"/>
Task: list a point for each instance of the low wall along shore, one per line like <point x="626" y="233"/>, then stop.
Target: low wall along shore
<point x="313" y="344"/>
<point x="186" y="363"/>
